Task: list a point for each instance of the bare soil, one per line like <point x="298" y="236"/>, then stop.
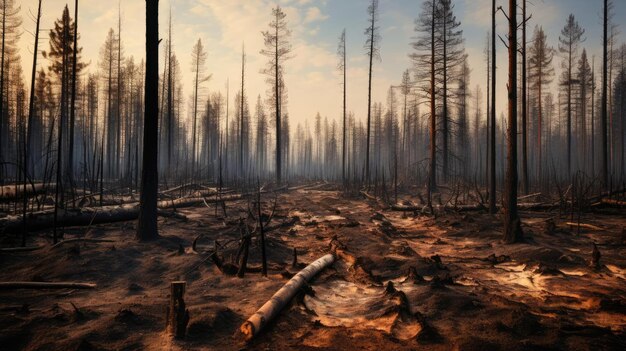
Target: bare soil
<point x="466" y="290"/>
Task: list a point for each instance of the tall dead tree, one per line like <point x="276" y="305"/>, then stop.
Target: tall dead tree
<point x="512" y="224"/>
<point x="29" y="126"/>
<point x="604" y="169"/>
<point x="372" y="50"/>
<point x="525" y="182"/>
<point x="571" y="36"/>
<point x="425" y="48"/>
<point x="492" y="112"/>
<point x="341" y="51"/>
<point x="242" y="100"/>
<point x="10" y="35"/>
<point x="147" y="225"/>
<point x="277" y="49"/>
<point x="198" y="59"/>
<point x="540" y="75"/>
<point x="70" y="157"/>
<point x="451" y="56"/>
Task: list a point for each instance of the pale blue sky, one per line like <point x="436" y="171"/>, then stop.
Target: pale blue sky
<point x="312" y="78"/>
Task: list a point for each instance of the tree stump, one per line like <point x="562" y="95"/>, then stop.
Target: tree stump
<point x="177" y="313"/>
<point x="595" y="257"/>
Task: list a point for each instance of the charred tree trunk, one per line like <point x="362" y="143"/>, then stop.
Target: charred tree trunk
<point x="604" y="169"/>
<point x="369" y="91"/>
<point x="31" y="108"/>
<point x="432" y="177"/>
<point x="70" y="156"/>
<point x="279" y="144"/>
<point x="512" y="224"/>
<point x="147" y="227"/>
<point x="492" y="138"/>
<point x="524" y="105"/>
<point x="177" y="313"/>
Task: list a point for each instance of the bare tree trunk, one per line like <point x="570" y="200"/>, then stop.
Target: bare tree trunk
<point x="369" y="97"/>
<point x="277" y="102"/>
<point x="593" y="119"/>
<point x="2" y="123"/>
<point x="604" y="170"/>
<point x="432" y="177"/>
<point x="512" y="225"/>
<point x="241" y="113"/>
<point x="524" y="105"/>
<point x="147" y="226"/>
<point x="343" y="151"/>
<point x="31" y="108"/>
<point x="70" y="157"/>
<point x="492" y="141"/>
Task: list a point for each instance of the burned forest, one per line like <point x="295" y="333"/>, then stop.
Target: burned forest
<point x="312" y="175"/>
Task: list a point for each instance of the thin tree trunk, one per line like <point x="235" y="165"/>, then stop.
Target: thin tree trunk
<point x="492" y="160"/>
<point x="277" y="102"/>
<point x="369" y="99"/>
<point x="524" y="105"/>
<point x="432" y="184"/>
<point x="604" y="170"/>
<point x="343" y="162"/>
<point x="70" y="157"/>
<point x="31" y="108"/>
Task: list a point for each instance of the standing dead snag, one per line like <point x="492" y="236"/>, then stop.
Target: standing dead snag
<point x="512" y="224"/>
<point x="281" y="298"/>
<point x="177" y="313"/>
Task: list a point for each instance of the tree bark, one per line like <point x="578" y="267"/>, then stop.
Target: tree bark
<point x="492" y="139"/>
<point x="147" y="226"/>
<point x="282" y="297"/>
<point x="512" y="225"/>
<point x="604" y="170"/>
<point x="525" y="181"/>
<point x="177" y="312"/>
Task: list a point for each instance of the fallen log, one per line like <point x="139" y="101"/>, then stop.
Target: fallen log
<point x="45" y="285"/>
<point x="195" y="201"/>
<point x="584" y="225"/>
<point x="473" y="207"/>
<point x="70" y="218"/>
<point x="97" y="215"/>
<point x="282" y="297"/>
<point x="16" y="191"/>
<point x="613" y="203"/>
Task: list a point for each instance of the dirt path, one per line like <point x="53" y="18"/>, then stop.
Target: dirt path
<point x="537" y="295"/>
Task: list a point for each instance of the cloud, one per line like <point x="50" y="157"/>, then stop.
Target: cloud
<point x="314" y="14"/>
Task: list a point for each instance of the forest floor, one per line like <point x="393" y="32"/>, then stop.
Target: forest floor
<point x="467" y="291"/>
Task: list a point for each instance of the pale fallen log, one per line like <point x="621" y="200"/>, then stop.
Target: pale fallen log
<point x="45" y="285"/>
<point x="282" y="297"/>
<point x="528" y="196"/>
<point x="70" y="218"/>
<point x="195" y="201"/>
<point x="98" y="215"/>
<point x="16" y="191"/>
<point x="612" y="202"/>
<point x="473" y="207"/>
<point x="584" y="225"/>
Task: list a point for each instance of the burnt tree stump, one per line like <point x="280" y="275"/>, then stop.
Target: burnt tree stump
<point x="595" y="257"/>
<point x="177" y="313"/>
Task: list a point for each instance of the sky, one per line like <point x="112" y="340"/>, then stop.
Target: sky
<point x="312" y="78"/>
